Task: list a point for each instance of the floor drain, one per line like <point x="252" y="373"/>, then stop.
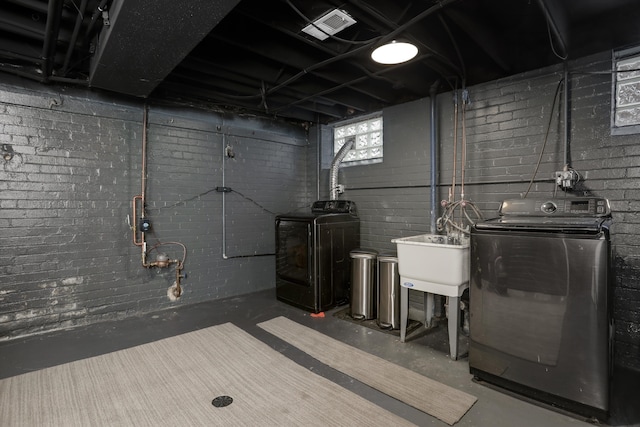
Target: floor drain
<point x="222" y="401"/>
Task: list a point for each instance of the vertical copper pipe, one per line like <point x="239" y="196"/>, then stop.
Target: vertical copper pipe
<point x="433" y="149"/>
<point x="143" y="184"/>
<point x="144" y="158"/>
<point x="141" y="197"/>
<point x="452" y="190"/>
<point x="135" y="218"/>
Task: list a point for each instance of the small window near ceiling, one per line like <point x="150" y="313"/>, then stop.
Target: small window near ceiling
<point x="626" y="97"/>
<point x="368" y="139"/>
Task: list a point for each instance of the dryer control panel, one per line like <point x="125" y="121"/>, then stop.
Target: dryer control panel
<point x="334" y="206"/>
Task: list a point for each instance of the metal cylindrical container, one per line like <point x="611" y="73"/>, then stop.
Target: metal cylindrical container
<point x="388" y="291"/>
<point x="363" y="282"/>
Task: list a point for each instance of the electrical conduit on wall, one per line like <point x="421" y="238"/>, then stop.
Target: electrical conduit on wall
<point x="226" y="155"/>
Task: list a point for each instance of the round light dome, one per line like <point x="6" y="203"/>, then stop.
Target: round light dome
<point x="394" y="53"/>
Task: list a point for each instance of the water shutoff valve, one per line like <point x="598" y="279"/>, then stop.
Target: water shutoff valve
<point x="567" y="179"/>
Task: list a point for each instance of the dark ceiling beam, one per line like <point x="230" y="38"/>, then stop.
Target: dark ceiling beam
<point x="22" y="72"/>
<point x="19" y="25"/>
<point x="487" y="39"/>
<point x="283" y="53"/>
<point x="316" y="46"/>
<point x="52" y="30"/>
<point x="310" y="112"/>
<point x="351" y="99"/>
<point x="363" y="48"/>
<point x="74" y="37"/>
<point x="41" y="7"/>
<point x="225" y="81"/>
<point x="35" y="5"/>
<point x="335" y="88"/>
<point x="379" y="19"/>
<point x="22" y="50"/>
<point x="236" y="84"/>
<point x="206" y="97"/>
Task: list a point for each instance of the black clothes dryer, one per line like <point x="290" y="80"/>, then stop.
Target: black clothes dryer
<point x="312" y="255"/>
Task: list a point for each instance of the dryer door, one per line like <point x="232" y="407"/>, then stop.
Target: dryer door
<point x="295" y="280"/>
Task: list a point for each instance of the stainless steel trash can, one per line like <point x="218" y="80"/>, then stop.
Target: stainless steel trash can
<point x="363" y="283"/>
<point x="388" y="291"/>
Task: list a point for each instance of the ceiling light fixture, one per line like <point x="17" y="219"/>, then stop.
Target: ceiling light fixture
<point x="394" y="52"/>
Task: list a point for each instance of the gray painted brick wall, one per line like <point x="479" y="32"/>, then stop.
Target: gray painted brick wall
<point x="505" y="127"/>
<point x="66" y="256"/>
<point x="66" y="251"/>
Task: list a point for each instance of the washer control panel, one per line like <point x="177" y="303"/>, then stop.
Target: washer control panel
<point x="574" y="207"/>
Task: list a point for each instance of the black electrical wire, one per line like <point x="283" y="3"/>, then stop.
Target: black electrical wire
<point x="204" y="193"/>
<point x="546" y="136"/>
<point x="253" y="201"/>
<point x="182" y="201"/>
<point x="553" y="49"/>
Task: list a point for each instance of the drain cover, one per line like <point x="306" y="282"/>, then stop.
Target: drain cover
<point x="222" y="401"/>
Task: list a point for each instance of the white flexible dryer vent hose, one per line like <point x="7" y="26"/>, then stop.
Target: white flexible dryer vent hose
<point x="333" y="178"/>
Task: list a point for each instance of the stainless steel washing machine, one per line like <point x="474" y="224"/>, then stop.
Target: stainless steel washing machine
<point x="540" y="302"/>
<point x="312" y="255"/>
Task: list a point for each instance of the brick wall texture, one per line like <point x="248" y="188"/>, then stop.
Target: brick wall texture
<point x="66" y="255"/>
<point x="66" y="251"/>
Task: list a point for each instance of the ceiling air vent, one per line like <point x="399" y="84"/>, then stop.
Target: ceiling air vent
<point x="329" y="24"/>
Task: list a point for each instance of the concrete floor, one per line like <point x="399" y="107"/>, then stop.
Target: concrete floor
<point x="425" y="353"/>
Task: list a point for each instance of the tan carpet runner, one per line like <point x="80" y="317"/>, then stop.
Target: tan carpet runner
<point x="174" y="381"/>
<point x="429" y="396"/>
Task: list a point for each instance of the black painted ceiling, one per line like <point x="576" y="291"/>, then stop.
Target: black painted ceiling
<point x="250" y="56"/>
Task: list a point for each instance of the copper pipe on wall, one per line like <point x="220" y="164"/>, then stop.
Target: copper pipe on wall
<point x="162" y="261"/>
<point x="134" y="226"/>
<point x="140" y="198"/>
<point x="144" y="156"/>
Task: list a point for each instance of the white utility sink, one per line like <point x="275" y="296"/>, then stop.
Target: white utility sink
<point x="429" y="263"/>
<point x="429" y="258"/>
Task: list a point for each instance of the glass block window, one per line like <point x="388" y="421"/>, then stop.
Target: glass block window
<point x="368" y="140"/>
<point x="626" y="99"/>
